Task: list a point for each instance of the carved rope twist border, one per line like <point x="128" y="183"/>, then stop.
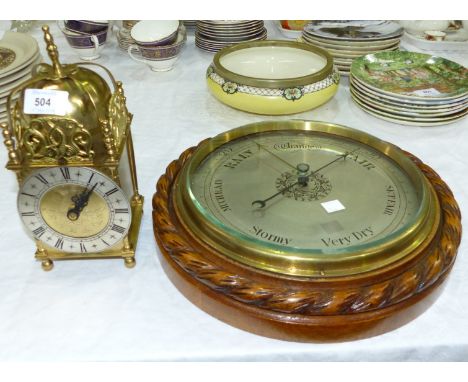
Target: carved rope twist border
<point x="323" y="301"/>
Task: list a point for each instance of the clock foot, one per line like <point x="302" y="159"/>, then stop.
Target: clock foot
<point x="129" y="262"/>
<point x="47" y="265"/>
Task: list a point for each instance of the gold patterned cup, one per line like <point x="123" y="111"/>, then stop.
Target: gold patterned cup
<point x="87" y="46"/>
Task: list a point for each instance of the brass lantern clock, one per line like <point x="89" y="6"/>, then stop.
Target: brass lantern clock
<point x="69" y="143"/>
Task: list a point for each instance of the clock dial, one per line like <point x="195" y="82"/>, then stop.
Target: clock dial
<point x="305" y="202"/>
<point x="74" y="209"/>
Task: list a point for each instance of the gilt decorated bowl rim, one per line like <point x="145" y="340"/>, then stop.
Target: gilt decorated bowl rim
<point x="273" y="83"/>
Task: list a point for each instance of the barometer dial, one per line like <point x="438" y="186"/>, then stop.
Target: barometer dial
<point x="305" y="202"/>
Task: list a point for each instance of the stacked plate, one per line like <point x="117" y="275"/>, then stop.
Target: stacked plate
<point x="410" y="88"/>
<point x="347" y="40"/>
<point x="19" y="52"/>
<point x="190" y="24"/>
<point x="213" y="35"/>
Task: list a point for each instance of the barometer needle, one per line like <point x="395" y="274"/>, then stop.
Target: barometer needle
<point x="273" y="154"/>
<point x="303" y="178"/>
<point x="341" y="156"/>
<point x="262" y="203"/>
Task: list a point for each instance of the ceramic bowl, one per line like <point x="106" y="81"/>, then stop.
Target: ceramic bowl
<point x="86" y="26"/>
<point x="160" y="58"/>
<point x="149" y="33"/>
<point x="273" y="77"/>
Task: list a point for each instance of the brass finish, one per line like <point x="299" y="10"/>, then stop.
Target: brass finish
<point x="92" y="220"/>
<point x="9" y="144"/>
<point x="126" y="249"/>
<point x="52" y="51"/>
<point x="273" y="83"/>
<point x="305" y="308"/>
<point x="137" y="198"/>
<point x="308" y="263"/>
<point x="94" y="133"/>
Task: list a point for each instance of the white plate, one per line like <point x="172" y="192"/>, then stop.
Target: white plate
<point x="407" y="121"/>
<point x="404" y="104"/>
<point x="214" y="46"/>
<point x="351" y="46"/>
<point x="25" y="48"/>
<point x="21" y="72"/>
<point x="415" y="101"/>
<point x="339" y="54"/>
<point x="355" y="30"/>
<point x="11" y="81"/>
<point x="355" y="53"/>
<point x="406" y="112"/>
<point x="233" y="37"/>
<point x="7" y="90"/>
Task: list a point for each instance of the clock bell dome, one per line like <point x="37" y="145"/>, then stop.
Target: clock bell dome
<point x="91" y="123"/>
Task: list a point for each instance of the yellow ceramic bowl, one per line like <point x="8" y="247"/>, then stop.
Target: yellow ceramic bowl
<point x="273" y="77"/>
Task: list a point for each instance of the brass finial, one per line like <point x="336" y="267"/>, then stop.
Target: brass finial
<point x="9" y="144"/>
<point x="52" y="50"/>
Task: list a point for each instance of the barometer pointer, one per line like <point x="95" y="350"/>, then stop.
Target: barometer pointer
<point x="81" y="201"/>
<point x="303" y="178"/>
<point x="273" y="154"/>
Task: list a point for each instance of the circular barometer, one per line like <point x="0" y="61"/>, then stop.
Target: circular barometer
<point x="291" y="228"/>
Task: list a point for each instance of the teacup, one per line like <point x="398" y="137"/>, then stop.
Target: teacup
<point x="86" y="26"/>
<point x="150" y="33"/>
<point x="88" y="47"/>
<point x="160" y="58"/>
<point x="418" y="27"/>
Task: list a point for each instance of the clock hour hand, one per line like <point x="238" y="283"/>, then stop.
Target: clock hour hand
<point x="81" y="201"/>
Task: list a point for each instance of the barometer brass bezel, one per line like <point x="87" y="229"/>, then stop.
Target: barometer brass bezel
<point x="357" y="259"/>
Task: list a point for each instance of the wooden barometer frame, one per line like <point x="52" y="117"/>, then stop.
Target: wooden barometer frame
<point x="303" y="308"/>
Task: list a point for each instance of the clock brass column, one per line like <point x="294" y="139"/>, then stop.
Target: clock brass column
<point x="78" y="194"/>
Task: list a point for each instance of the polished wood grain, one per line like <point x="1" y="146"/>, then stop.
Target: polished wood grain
<point x="304" y="308"/>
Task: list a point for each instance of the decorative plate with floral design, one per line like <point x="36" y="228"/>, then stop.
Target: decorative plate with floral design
<point x="412" y="75"/>
<point x="355" y="30"/>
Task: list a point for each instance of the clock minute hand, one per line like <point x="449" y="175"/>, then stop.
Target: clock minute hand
<point x="81" y="201"/>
